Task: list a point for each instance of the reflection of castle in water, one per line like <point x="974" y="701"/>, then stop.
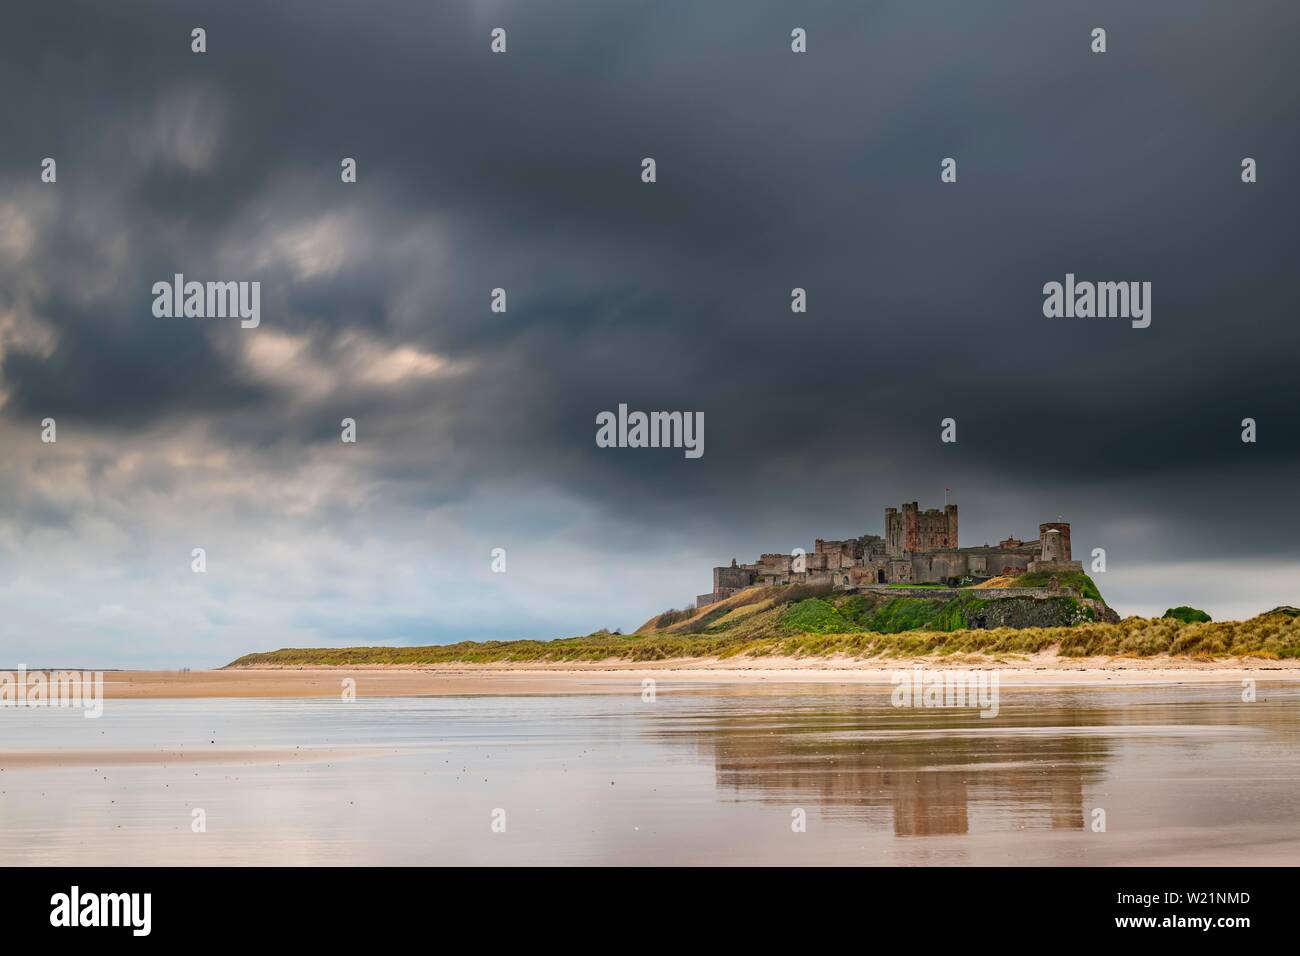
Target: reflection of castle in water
<point x="932" y="772"/>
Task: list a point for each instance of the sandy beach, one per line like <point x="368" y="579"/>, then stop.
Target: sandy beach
<point x="616" y="677"/>
<point x="1186" y="767"/>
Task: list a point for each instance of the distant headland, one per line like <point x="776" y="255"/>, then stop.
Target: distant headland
<point x="913" y="592"/>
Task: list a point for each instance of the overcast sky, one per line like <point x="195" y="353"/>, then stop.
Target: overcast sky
<point x="522" y="171"/>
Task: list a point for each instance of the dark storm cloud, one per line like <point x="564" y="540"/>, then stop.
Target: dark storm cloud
<point x="775" y="171"/>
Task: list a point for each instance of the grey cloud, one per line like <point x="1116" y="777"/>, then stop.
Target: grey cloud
<point x="776" y="171"/>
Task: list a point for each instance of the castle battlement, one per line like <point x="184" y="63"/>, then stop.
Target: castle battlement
<point x="918" y="547"/>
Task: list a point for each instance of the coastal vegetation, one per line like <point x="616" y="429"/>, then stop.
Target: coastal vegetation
<point x="1188" y="615"/>
<point x="1067" y="579"/>
<point x="816" y="621"/>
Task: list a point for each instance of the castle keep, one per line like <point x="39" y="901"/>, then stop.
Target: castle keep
<point x="919" y="547"/>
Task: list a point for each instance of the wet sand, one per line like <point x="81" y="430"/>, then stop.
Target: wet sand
<point x="617" y="677"/>
<point x="223" y="756"/>
<point x="702" y="774"/>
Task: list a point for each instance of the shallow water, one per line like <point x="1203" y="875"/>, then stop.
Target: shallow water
<point x="1184" y="774"/>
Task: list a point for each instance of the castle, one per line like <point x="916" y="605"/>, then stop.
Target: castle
<point x="919" y="547"/>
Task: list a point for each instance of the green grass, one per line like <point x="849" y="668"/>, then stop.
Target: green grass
<point x="912" y="613"/>
<point x="1188" y="615"/>
<point x="1068" y="579"/>
<point x="814" y="616"/>
<point x="1273" y="635"/>
<point x="887" y="616"/>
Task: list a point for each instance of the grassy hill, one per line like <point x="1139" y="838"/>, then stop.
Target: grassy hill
<point x="799" y="621"/>
<point x="1041" y="579"/>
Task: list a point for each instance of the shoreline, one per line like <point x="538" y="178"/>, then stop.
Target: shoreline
<point x="689" y="675"/>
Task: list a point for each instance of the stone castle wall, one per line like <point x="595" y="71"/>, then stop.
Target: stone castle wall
<point x="948" y="594"/>
<point x="917" y="547"/>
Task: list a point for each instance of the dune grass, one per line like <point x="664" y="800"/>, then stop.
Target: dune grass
<point x="1275" y="635"/>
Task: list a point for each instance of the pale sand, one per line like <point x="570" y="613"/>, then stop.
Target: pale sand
<point x="619" y="677"/>
<point x="238" y="756"/>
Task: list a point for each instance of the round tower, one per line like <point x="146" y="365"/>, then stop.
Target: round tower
<point x="1054" y="541"/>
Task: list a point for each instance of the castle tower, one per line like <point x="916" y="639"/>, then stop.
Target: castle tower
<point x="910" y="512"/>
<point x="909" y="529"/>
<point x="1054" y="541"/>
